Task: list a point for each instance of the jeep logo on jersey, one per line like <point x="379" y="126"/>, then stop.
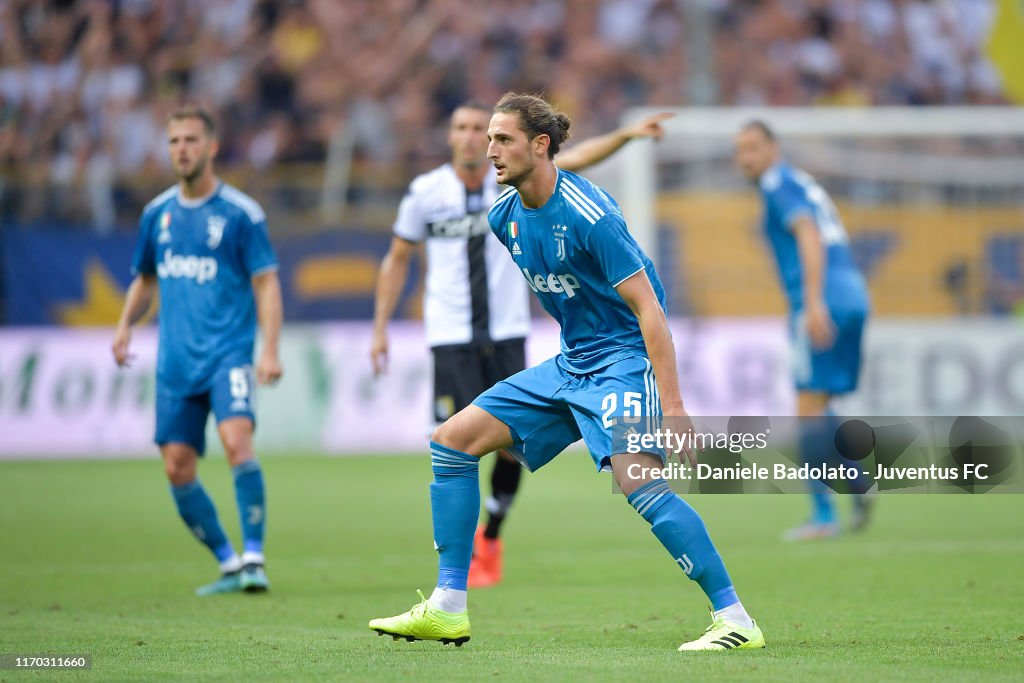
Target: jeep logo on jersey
<point x="199" y="268"/>
<point x="557" y="284"/>
<point x="470" y="225"/>
<point x="215" y="230"/>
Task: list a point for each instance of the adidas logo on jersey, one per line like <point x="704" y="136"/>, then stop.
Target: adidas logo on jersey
<point x="199" y="268"/>
<point x="564" y="283"/>
<point x="516" y="251"/>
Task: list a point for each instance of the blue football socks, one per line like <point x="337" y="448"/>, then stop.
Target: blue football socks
<point x="817" y="450"/>
<point x="455" y="506"/>
<point x="252" y="507"/>
<point x="200" y="515"/>
<point x="681" y="530"/>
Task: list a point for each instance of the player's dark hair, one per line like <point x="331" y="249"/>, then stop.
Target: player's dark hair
<point x="536" y="117"/>
<point x="191" y="111"/>
<point x="759" y="125"/>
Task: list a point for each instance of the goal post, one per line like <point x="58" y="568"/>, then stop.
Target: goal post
<point x="931" y="196"/>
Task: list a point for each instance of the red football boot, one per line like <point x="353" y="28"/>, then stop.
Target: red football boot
<point x="485" y="567"/>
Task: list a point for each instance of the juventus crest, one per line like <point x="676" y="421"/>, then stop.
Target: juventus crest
<point x="215" y="230"/>
<point x="560" y="240"/>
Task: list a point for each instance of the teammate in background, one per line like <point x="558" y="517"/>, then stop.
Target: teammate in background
<point x="204" y="244"/>
<point x="476" y="307"/>
<point x="828" y="302"/>
<point x="568" y="237"/>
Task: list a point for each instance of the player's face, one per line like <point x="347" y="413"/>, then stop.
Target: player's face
<point x="467" y="136"/>
<point x="510" y="150"/>
<point x="755" y="153"/>
<point x="190" y="147"/>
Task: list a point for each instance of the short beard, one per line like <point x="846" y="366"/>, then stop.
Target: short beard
<point x="196" y="172"/>
<point x="517" y="181"/>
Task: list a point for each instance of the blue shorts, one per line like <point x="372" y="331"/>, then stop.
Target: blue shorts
<point x="182" y="419"/>
<point x="548" y="408"/>
<point x="834" y="370"/>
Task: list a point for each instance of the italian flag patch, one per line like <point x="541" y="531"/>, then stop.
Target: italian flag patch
<point x="513" y="229"/>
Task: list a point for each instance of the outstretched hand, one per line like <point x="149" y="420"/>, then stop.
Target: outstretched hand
<point x="649" y="127"/>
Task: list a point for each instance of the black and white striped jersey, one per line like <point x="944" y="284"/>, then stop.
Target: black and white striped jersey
<point x="474" y="292"/>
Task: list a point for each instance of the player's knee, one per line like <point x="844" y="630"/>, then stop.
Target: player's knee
<point x="812" y="403"/>
<point x="180" y="468"/>
<point x="450" y="435"/>
<point x="472" y="431"/>
<point x="442" y="435"/>
<point x="238" y="449"/>
<point x="236" y="436"/>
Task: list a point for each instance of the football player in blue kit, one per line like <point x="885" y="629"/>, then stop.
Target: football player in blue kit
<point x="476" y="309"/>
<point x="828" y="308"/>
<point x="204" y="246"/>
<point x="568" y="238"/>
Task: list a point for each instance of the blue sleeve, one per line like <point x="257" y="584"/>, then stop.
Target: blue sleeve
<point x="614" y="249"/>
<point x="144" y="258"/>
<point x="499" y="229"/>
<point x="497" y="217"/>
<point x="257" y="253"/>
<point x="789" y="201"/>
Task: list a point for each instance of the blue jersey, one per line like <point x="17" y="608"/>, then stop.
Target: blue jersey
<point x="574" y="251"/>
<point x="789" y="193"/>
<point x="204" y="255"/>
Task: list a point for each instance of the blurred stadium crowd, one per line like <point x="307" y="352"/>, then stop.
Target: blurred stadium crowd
<point x="85" y="86"/>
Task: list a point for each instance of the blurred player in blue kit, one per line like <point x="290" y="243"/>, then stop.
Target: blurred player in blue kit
<point x="204" y="246"/>
<point x="569" y="240"/>
<point x="828" y="304"/>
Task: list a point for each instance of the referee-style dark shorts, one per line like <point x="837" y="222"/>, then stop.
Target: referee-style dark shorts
<point x="464" y="371"/>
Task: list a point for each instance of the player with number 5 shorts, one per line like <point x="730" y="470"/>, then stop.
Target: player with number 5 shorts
<point x="204" y="245"/>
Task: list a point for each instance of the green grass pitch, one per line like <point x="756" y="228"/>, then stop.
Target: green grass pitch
<point x="93" y="559"/>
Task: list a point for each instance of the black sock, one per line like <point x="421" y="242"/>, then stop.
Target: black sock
<point x="504" y="484"/>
